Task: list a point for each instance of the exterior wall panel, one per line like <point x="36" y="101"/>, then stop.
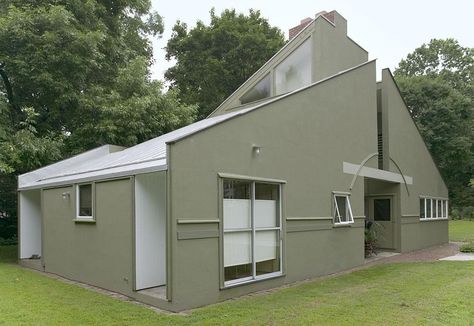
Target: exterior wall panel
<point x="304" y="139"/>
<point x="414" y="160"/>
<point x="95" y="253"/>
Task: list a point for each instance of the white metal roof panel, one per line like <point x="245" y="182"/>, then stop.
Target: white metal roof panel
<point x="100" y="163"/>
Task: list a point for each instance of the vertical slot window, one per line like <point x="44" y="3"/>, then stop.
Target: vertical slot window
<point x="84" y="207"/>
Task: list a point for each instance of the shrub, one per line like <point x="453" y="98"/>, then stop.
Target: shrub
<point x="462" y="213"/>
<point x="468" y="247"/>
<point x="9" y="242"/>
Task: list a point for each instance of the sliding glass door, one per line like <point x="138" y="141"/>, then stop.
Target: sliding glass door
<point x="252" y="230"/>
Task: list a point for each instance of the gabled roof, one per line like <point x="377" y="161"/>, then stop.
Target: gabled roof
<point x="150" y="156"/>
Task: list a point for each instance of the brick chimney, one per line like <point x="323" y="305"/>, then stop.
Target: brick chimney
<point x="295" y="30"/>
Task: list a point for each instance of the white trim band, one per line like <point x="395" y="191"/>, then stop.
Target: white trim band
<point x="365" y="171"/>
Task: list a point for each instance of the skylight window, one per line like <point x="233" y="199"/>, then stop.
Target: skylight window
<point x="259" y="91"/>
<point x="295" y="71"/>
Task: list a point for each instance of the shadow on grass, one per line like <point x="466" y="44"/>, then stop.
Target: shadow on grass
<point x="8" y="254"/>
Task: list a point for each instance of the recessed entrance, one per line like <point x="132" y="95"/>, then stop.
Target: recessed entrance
<point x="381" y="200"/>
<point x="380" y="211"/>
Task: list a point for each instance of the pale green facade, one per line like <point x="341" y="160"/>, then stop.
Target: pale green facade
<point x="315" y="142"/>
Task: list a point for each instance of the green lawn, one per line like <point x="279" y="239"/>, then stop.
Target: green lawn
<point x="438" y="293"/>
<point x="461" y="230"/>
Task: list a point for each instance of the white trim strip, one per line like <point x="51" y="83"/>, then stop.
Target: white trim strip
<point x="93" y="177"/>
<point x="247" y="177"/>
<point x="365" y="171"/>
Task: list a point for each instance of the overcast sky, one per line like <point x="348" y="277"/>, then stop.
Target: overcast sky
<point x="389" y="30"/>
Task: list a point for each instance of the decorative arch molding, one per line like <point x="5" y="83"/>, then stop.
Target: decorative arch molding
<point x="364" y="162"/>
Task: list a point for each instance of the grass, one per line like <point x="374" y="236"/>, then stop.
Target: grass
<point x="438" y="293"/>
<point x="461" y="230"/>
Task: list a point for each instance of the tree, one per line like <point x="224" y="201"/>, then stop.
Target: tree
<point x="446" y="59"/>
<point x="436" y="81"/>
<point x="135" y="111"/>
<point x="212" y="61"/>
<point x="55" y="52"/>
<point x="78" y="72"/>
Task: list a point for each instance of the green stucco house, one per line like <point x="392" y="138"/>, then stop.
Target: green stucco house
<point x="273" y="187"/>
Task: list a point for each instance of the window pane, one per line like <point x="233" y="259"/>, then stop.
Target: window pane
<point x="259" y="91"/>
<point x="266" y="191"/>
<point x="422" y="208"/>
<point x="237" y="214"/>
<point x="342" y="206"/>
<point x="267" y="252"/>
<point x="428" y="208"/>
<point x="236" y="272"/>
<point x="295" y="71"/>
<point x="85" y="200"/>
<point x="382" y="210"/>
<point x="266" y="205"/>
<point x="440" y="209"/>
<point x="237" y="248"/>
<point x="237" y="205"/>
<point x="236" y="189"/>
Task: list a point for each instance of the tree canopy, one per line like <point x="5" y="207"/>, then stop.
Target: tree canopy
<point x="82" y="69"/>
<point x="436" y="81"/>
<point x="78" y="71"/>
<point x="213" y="60"/>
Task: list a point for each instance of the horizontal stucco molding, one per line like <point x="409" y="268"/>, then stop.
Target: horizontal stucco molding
<point x="191" y="221"/>
<point x="369" y="172"/>
<point x="201" y="234"/>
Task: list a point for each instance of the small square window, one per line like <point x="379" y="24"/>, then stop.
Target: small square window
<point x="342" y="211"/>
<point x="382" y="209"/>
<point x="84" y="201"/>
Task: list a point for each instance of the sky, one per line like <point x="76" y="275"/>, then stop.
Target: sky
<point x="388" y="30"/>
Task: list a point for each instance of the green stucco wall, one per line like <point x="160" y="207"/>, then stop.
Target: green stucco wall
<point x="95" y="253"/>
<point x="333" y="51"/>
<point x="304" y="139"/>
<point x="408" y="149"/>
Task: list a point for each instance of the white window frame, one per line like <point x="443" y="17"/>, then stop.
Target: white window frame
<point x="335" y="208"/>
<point x="253" y="229"/>
<point x="82" y="217"/>
<point x="435" y="213"/>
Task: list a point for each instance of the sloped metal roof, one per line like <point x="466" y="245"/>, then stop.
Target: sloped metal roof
<point x="106" y="162"/>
